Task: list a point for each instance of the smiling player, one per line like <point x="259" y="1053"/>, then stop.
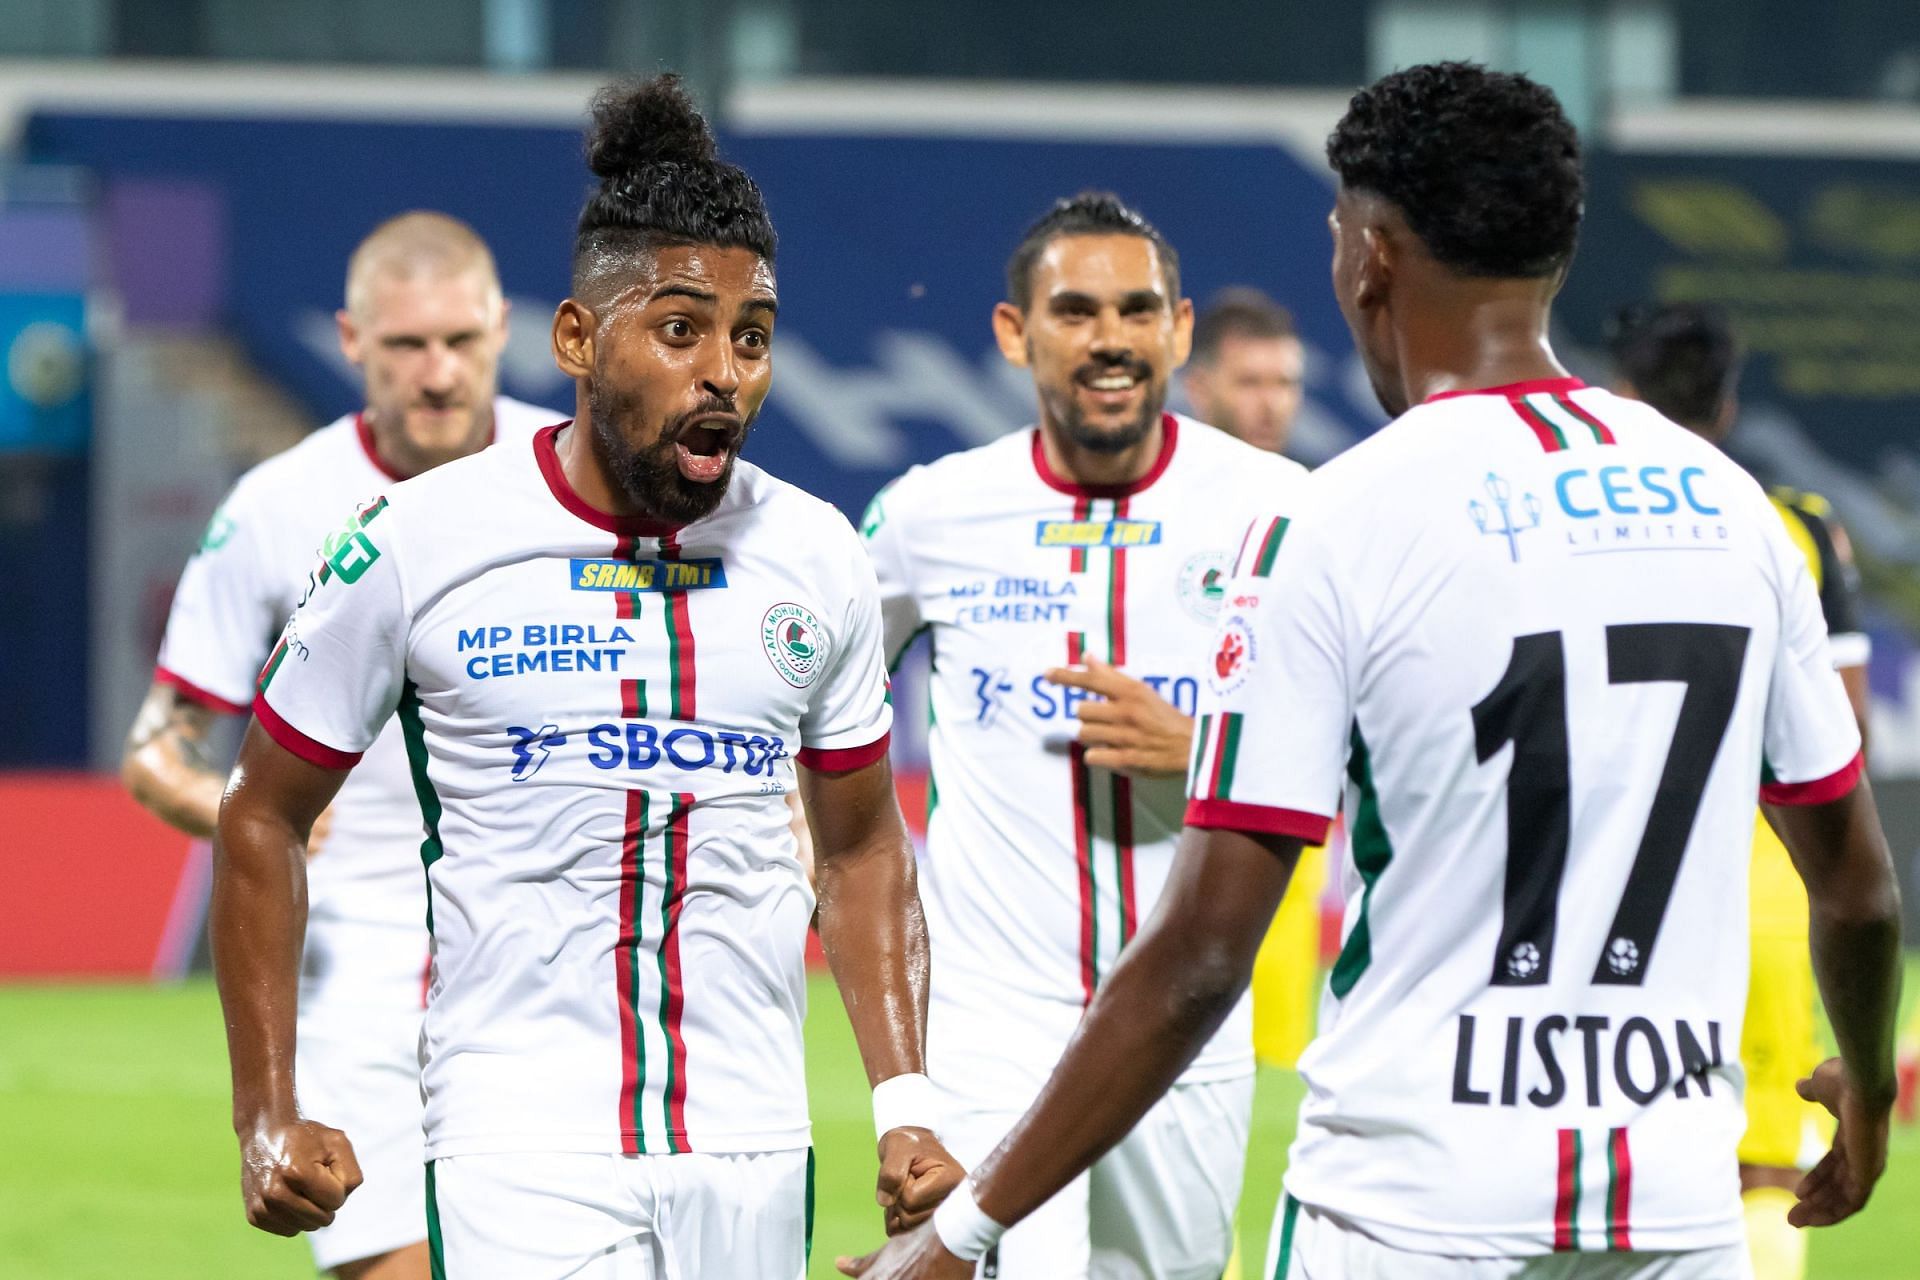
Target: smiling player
<point x="1069" y="575"/>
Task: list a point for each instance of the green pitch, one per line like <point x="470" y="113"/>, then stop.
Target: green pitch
<point x="119" y="1162"/>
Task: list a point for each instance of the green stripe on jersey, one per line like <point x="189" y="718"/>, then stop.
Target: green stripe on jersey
<point x="1270" y="547"/>
<point x="414" y="733"/>
<point x="1371" y="853"/>
<point x="436" y="1249"/>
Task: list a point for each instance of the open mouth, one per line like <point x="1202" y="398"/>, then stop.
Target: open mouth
<point x="704" y="449"/>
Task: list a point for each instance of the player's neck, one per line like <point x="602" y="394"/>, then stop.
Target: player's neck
<point x="1491" y="335"/>
<point x="590" y="474"/>
<point x="1082" y="466"/>
<point x="402" y="458"/>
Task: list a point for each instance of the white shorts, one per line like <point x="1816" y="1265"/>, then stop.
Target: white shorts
<point x="357" y="1068"/>
<point x="1159" y="1205"/>
<point x="1308" y="1244"/>
<point x="549" y="1215"/>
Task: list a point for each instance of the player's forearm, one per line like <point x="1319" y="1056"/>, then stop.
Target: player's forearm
<point x="257" y="925"/>
<point x="875" y="937"/>
<point x="176" y="788"/>
<point x="1175" y="984"/>
<point x="1160" y="1006"/>
<point x="1853" y="898"/>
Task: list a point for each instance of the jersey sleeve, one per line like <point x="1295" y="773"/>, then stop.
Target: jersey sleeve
<point x="229" y="604"/>
<point x="1276" y="708"/>
<point x="847" y="724"/>
<point x="337" y="673"/>
<point x="883" y="530"/>
<point x="1811" y="740"/>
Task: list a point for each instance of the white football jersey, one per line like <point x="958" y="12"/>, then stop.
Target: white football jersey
<point x="602" y="717"/>
<point x="1038" y="867"/>
<point x="232" y="601"/>
<point x="1552" y="645"/>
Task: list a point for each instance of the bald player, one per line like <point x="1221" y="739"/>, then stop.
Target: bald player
<point x="1247" y="369"/>
<point x="425" y="322"/>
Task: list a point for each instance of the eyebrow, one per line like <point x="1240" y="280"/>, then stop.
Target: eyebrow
<point x="1134" y="298"/>
<point x="762" y="303"/>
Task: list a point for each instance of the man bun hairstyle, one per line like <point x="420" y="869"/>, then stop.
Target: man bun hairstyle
<point x="1484" y="165"/>
<point x="1683" y="358"/>
<point x="1091" y="213"/>
<point x="661" y="181"/>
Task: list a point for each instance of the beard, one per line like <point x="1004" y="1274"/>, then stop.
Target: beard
<point x="650" y="475"/>
<point x="1072" y="419"/>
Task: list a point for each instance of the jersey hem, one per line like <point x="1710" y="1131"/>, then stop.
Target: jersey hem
<point x="599" y="1143"/>
<point x="308" y="749"/>
<point x="1819" y="791"/>
<point x="845" y="759"/>
<point x="197" y="694"/>
<point x="1850" y="649"/>
<point x="1236" y="815"/>
<point x="1462" y="1241"/>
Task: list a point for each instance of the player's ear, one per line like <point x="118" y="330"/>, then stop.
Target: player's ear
<point x="1376" y="267"/>
<point x="573" y="325"/>
<point x="349" y="335"/>
<point x="1010" y="331"/>
<point x="1182" y="331"/>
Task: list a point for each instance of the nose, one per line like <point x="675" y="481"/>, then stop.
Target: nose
<point x="720" y="371"/>
<point x="1109" y="335"/>
<point x="442" y="373"/>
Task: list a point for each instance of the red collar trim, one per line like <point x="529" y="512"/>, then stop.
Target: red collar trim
<point x="547" y="455"/>
<point x="364" y="430"/>
<point x="1169" y="438"/>
<point x="1513" y="390"/>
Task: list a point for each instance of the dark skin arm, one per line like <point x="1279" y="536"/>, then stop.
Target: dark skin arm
<point x="1175" y="984"/>
<point x="876" y="943"/>
<point x="294" y="1172"/>
<point x="1854" y="900"/>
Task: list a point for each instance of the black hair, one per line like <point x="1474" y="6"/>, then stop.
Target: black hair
<point x="1681" y="357"/>
<point x="1484" y="165"/>
<point x="661" y="181"/>
<point x="1238" y="312"/>
<point x="1091" y="213"/>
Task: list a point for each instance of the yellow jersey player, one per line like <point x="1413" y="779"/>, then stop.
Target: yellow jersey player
<point x="1685" y="360"/>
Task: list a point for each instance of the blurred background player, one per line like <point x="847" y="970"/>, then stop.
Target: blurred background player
<point x="425" y="323"/>
<point x="1073" y="570"/>
<point x="1684" y="360"/>
<point x="1247" y="376"/>
<point x="609" y="648"/>
<point x="1518" y="1061"/>
<point x="1248" y="369"/>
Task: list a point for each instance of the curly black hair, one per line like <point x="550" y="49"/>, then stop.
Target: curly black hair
<point x="661" y="182"/>
<point x="1484" y="165"/>
<point x="1682" y="358"/>
<point x="1091" y="213"/>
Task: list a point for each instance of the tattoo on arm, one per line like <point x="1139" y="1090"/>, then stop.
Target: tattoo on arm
<point x="168" y="765"/>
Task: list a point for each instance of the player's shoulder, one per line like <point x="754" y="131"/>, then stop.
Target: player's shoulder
<point x="1807" y="506"/>
<point x="917" y="491"/>
<point x="780" y="504"/>
<point x="1229" y="459"/>
<point x="311" y="471"/>
<point x="515" y="420"/>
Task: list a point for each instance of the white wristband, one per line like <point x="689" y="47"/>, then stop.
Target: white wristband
<point x="963" y="1228"/>
<point x="904" y="1102"/>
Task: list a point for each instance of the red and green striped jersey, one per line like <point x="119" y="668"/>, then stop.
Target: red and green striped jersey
<point x="1548" y="646"/>
<point x="1039" y="866"/>
<point x="603" y="718"/>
